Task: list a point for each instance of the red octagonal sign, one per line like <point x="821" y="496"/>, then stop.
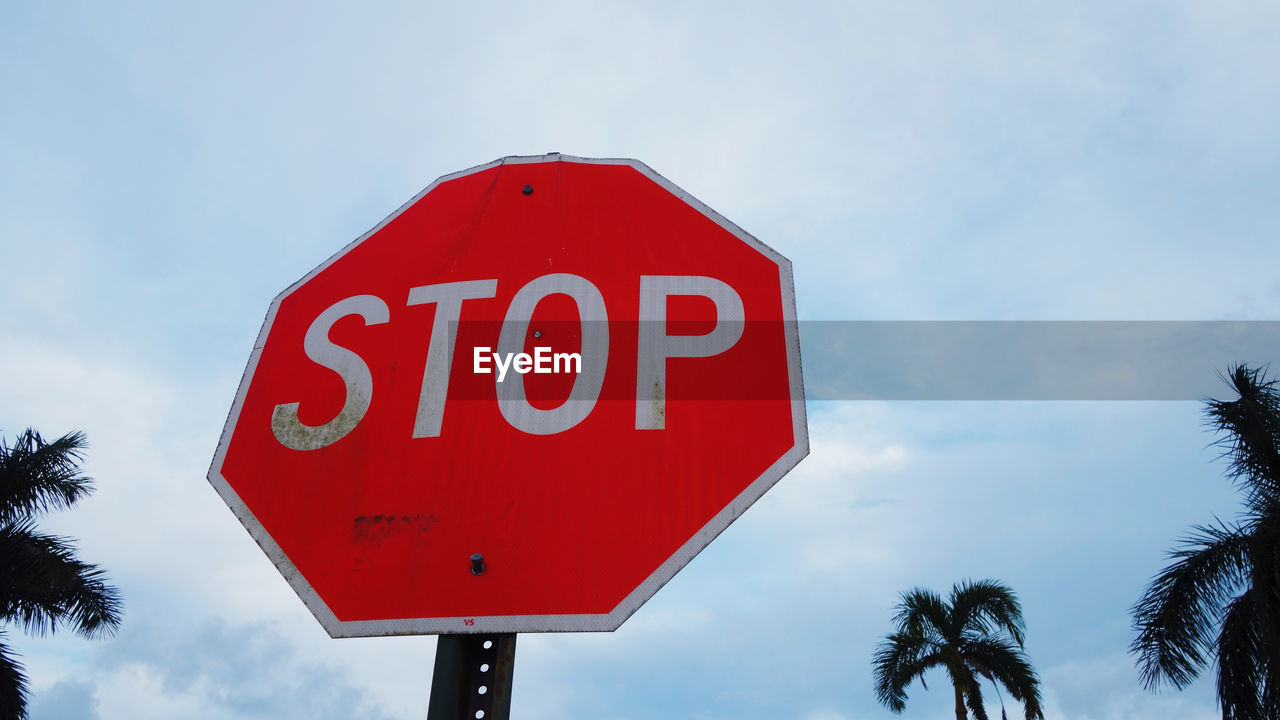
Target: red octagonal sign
<point x="521" y="403"/>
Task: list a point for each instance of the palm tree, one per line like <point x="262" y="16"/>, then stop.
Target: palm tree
<point x="42" y="584"/>
<point x="1220" y="595"/>
<point x="977" y="633"/>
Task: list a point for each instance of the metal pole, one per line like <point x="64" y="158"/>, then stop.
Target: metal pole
<point x="472" y="677"/>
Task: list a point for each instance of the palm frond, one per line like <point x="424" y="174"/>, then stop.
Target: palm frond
<point x="37" y="475"/>
<point x="983" y="606"/>
<point x="1004" y="662"/>
<point x="898" y="661"/>
<point x="922" y="612"/>
<point x="973" y="698"/>
<point x="999" y="694"/>
<point x="1240" y="660"/>
<point x="1176" y="617"/>
<point x="42" y="584"/>
<point x="13" y="685"/>
<point x="1249" y="430"/>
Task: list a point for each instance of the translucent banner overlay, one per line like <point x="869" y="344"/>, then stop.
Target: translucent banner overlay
<point x="1029" y="360"/>
<point x="861" y="360"/>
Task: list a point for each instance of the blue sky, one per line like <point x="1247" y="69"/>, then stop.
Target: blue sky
<point x="169" y="168"/>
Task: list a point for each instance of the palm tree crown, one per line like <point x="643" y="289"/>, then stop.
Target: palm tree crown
<point x="1220" y="597"/>
<point x="977" y="633"/>
<point x="42" y="584"/>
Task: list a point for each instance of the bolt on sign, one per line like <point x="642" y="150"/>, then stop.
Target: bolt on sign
<point x="521" y="403"/>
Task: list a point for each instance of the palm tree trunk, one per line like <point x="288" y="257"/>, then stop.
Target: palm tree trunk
<point x="961" y="713"/>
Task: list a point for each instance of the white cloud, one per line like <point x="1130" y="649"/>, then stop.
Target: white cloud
<point x="830" y="500"/>
<point x="1106" y="688"/>
<point x="67" y="700"/>
<point x="210" y="671"/>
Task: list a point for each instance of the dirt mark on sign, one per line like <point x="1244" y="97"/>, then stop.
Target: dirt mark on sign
<point x="373" y="529"/>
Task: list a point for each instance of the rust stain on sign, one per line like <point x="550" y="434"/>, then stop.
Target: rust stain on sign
<point x="373" y="529"/>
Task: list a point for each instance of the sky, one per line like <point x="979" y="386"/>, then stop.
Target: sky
<point x="169" y="168"/>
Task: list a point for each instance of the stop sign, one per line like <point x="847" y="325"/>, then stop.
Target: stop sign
<point x="521" y="403"/>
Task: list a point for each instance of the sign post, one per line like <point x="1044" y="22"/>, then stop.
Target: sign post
<point x="521" y="403"/>
<point x="472" y="677"/>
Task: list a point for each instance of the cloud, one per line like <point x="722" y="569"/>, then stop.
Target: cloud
<point x="212" y="670"/>
<point x="828" y="500"/>
<point x="66" y="700"/>
<point x="1106" y="688"/>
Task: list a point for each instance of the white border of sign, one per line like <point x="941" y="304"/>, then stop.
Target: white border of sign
<point x="529" y="623"/>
